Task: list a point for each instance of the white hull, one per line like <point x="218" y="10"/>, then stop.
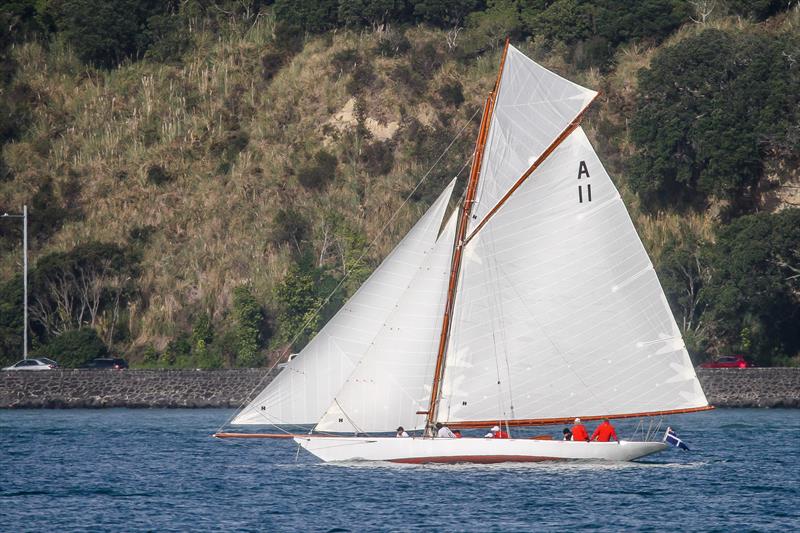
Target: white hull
<point x="471" y="450"/>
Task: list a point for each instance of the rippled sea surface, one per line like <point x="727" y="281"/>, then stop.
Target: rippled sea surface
<point x="159" y="470"/>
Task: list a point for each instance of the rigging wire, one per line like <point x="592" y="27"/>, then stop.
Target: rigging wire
<point x="357" y="263"/>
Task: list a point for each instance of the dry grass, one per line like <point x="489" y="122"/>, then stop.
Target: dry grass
<point x="213" y="225"/>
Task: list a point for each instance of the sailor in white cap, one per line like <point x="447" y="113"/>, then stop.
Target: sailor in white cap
<point x="496" y="433"/>
<point x="579" y="431"/>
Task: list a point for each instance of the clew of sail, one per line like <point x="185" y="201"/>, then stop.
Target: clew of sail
<point x="533" y="107"/>
<point x="559" y="312"/>
<point x="392" y="382"/>
<point x="302" y="392"/>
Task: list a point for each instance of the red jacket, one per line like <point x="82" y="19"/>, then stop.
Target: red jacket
<point x="579" y="432"/>
<point x="604" y="433"/>
<point x="500" y="435"/>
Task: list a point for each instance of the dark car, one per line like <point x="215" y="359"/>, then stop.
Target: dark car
<point x="106" y="363"/>
<point x="727" y="361"/>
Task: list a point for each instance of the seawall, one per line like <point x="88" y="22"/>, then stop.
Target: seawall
<point x="752" y="387"/>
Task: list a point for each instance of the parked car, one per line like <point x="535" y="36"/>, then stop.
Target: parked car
<point x="106" y="363"/>
<point x="727" y="361"/>
<point x="284" y="365"/>
<point x="40" y="363"/>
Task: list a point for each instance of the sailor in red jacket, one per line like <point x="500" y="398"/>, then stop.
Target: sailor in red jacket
<point x="497" y="433"/>
<point x="605" y="432"/>
<point x="579" y="431"/>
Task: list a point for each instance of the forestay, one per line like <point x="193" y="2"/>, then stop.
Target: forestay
<point x="533" y="108"/>
<point x="559" y="312"/>
<point x="302" y="392"/>
<point x="392" y="382"/>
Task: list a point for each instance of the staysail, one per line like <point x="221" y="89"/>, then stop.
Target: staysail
<point x="302" y="392"/>
<point x="559" y="312"/>
<point x="392" y="382"/>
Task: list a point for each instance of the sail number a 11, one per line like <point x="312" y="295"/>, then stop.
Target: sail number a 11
<point x="583" y="171"/>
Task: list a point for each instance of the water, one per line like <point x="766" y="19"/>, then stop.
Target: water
<point x="158" y="470"/>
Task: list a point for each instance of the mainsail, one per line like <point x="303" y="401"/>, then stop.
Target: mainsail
<point x="302" y="392"/>
<point x="559" y="312"/>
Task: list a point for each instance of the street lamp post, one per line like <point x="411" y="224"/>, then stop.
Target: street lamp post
<point x="24" y="217"/>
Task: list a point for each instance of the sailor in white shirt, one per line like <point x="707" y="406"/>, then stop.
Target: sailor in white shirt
<point x="401" y="433"/>
<point x="443" y="432"/>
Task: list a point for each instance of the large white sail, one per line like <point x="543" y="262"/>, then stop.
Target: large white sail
<point x="533" y="107"/>
<point x="559" y="312"/>
<point x="392" y="382"/>
<point x="302" y="392"/>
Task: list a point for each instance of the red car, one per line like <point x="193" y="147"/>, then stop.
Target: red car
<point x="727" y="361"/>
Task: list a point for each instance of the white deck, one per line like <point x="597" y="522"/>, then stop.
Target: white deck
<point x="471" y="450"/>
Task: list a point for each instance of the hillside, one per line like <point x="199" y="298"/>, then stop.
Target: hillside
<point x="202" y="206"/>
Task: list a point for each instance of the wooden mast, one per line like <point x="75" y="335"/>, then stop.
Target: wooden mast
<point x="469" y="200"/>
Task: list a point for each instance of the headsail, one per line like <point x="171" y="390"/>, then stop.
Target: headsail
<point x="302" y="392"/>
<point x="559" y="311"/>
<point x="392" y="382"/>
<point x="533" y="108"/>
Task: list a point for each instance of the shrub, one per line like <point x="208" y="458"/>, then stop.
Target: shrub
<point x="73" y="348"/>
<point x="345" y="60"/>
<point x="158" y="175"/>
<point x="378" y="157"/>
<point x="289" y="226"/>
<point x="249" y="316"/>
<point x="451" y="93"/>
<point x="320" y="172"/>
<point x="271" y="64"/>
<point x="363" y="76"/>
<point x="393" y="44"/>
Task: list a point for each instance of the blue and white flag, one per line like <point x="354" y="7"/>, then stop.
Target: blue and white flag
<point x="671" y="438"/>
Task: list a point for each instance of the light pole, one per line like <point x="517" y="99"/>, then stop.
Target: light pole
<point x="24" y="217"/>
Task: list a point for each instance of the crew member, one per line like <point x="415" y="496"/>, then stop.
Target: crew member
<point x="443" y="432"/>
<point x="579" y="431"/>
<point x="605" y="432"/>
<point x="497" y="433"/>
<point x="401" y="432"/>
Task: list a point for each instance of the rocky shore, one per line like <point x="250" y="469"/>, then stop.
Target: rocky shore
<point x="752" y="387"/>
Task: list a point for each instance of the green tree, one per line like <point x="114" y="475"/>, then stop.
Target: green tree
<point x="105" y="32"/>
<point x="444" y="13"/>
<point x="314" y="16"/>
<point x="754" y="293"/>
<point x="711" y="108"/>
<point x="73" y="348"/>
<point x="249" y="317"/>
<point x="11" y="320"/>
<point x="371" y="12"/>
<point x="86" y="286"/>
<point x="298" y="302"/>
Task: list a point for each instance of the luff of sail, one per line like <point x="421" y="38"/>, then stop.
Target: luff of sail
<point x="303" y="391"/>
<point x="392" y="381"/>
<point x="559" y="311"/>
<point x="533" y="107"/>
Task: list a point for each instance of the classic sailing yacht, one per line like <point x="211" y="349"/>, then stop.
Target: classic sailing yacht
<point x="535" y="304"/>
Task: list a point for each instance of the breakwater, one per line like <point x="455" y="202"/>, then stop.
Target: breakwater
<point x="752" y="387"/>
